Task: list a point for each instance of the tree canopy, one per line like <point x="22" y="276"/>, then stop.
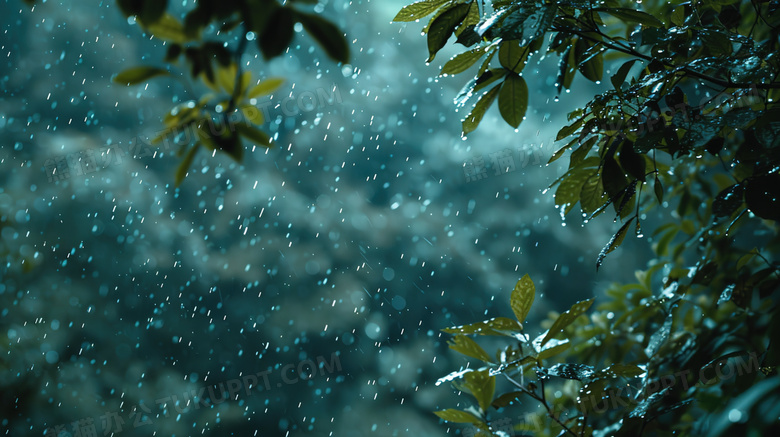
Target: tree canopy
<point x="687" y="121"/>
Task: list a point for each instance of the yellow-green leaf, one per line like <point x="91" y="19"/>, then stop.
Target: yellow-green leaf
<point x="522" y="297"/>
<point x="167" y="28"/>
<point x="494" y="326"/>
<point x="265" y="87"/>
<point x="468" y="347"/>
<point x="482" y="386"/>
<point x="458" y="416"/>
<point x="136" y="75"/>
<point x="415" y="11"/>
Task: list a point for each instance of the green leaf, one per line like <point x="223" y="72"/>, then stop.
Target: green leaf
<point x="472" y="120"/>
<point x="415" y="11"/>
<point x="513" y="100"/>
<point x="553" y="348"/>
<point x="592" y="195"/>
<point x="592" y="66"/>
<point x="443" y="26"/>
<point x="254" y="135"/>
<point x="136" y="75"/>
<point x="522" y="297"/>
<point x="659" y="190"/>
<point x="330" y="37"/>
<point x="458" y="416"/>
<point x="482" y="386"/>
<point x="570" y="189"/>
<point x="614" y="242"/>
<point x="495" y="326"/>
<point x="620" y="77"/>
<point x="632" y="15"/>
<point x="466" y="346"/>
<point x="265" y="87"/>
<point x="461" y="62"/>
<point x="570" y="129"/>
<point x="566" y="319"/>
<point x="185" y="164"/>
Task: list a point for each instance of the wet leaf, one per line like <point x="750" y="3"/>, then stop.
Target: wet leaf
<point x="513" y="100"/>
<point x="472" y="120"/>
<point x="443" y="26"/>
<point x="418" y="10"/>
<point x="614" y="242"/>
<point x="522" y="297"/>
<point x="468" y="347"/>
<point x="566" y="319"/>
<point x="728" y="200"/>
<point x="495" y="326"/>
<point x="265" y="87"/>
<point x="461" y="62"/>
<point x="458" y="416"/>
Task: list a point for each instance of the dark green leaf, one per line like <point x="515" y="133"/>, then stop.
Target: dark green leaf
<point x="592" y="66"/>
<point x="578" y="372"/>
<point x="278" y="33"/>
<point x="620" y="77"/>
<point x="512" y="56"/>
<point x="443" y="26"/>
<point x="136" y="75"/>
<point x="614" y="242"/>
<point x="728" y="200"/>
<point x="566" y="319"/>
<point x="633" y="163"/>
<point x="570" y="129"/>
<point x="152" y="11"/>
<point x="328" y="35"/>
<point x="592" y="195"/>
<point x="513" y="100"/>
<point x="659" y="190"/>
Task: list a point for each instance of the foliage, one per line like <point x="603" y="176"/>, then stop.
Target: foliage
<point x="225" y="114"/>
<point x="688" y="123"/>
